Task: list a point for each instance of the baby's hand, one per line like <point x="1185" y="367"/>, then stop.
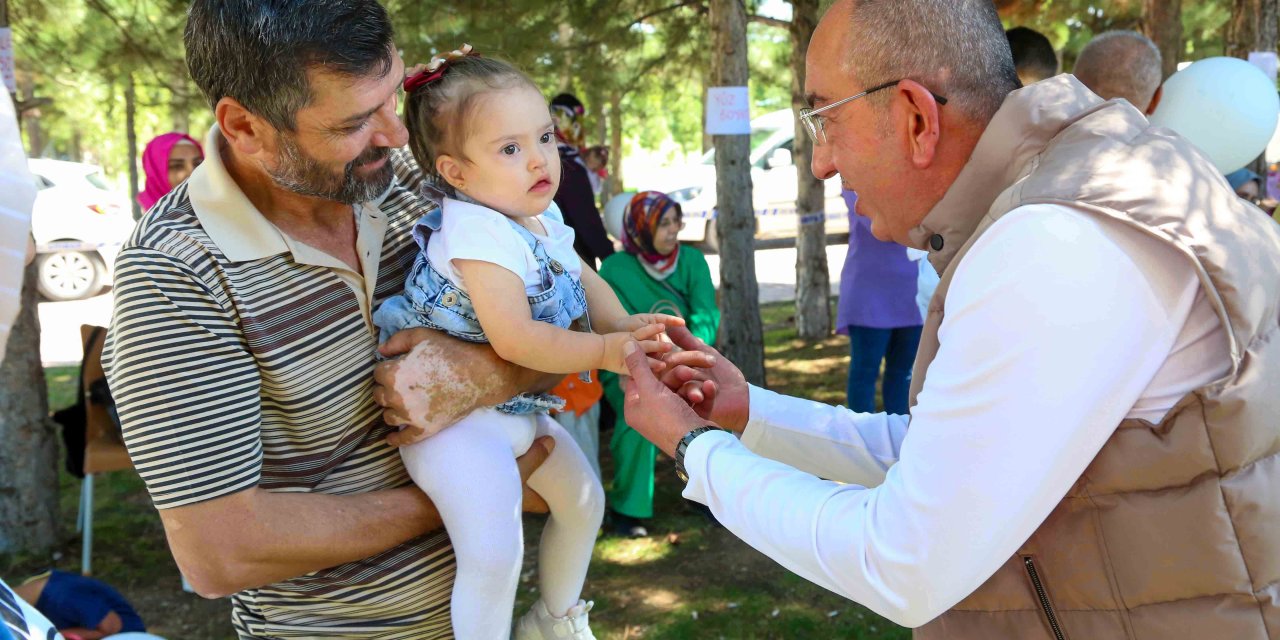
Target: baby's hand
<point x="646" y="336"/>
<point x="641" y="320"/>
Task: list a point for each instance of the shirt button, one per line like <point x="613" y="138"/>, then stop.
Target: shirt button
<point x="936" y="242"/>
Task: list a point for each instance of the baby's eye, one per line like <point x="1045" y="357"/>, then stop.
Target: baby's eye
<point x="510" y="150"/>
<point x="547" y="137"/>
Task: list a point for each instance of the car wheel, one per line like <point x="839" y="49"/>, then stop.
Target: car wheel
<point x="69" y="275"/>
<point x="711" y="240"/>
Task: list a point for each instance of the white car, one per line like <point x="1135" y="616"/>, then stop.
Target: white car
<point x="773" y="180"/>
<point x="79" y="226"/>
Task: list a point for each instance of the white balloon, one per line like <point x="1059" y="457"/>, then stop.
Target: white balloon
<point x="614" y="210"/>
<point x="1225" y="106"/>
<point x="1273" y="148"/>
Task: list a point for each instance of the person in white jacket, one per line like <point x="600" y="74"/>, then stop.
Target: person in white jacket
<point x="1039" y="363"/>
<point x="17" y="194"/>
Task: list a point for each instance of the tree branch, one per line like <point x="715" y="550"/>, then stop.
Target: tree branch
<point x="668" y="9"/>
<point x="766" y="20"/>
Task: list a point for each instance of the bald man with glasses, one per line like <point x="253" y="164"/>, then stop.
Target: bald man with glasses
<point x="1092" y="450"/>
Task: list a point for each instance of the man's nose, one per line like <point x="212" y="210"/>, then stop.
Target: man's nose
<point x="391" y="131"/>
<point x="821" y="164"/>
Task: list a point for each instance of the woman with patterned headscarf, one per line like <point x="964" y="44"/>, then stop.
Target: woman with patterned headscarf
<point x="654" y="274"/>
<point x="576" y="199"/>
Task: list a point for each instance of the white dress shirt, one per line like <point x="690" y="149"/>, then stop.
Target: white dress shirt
<point x="1059" y="325"/>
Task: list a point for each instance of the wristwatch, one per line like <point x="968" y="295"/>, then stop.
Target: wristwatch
<point x="683" y="445"/>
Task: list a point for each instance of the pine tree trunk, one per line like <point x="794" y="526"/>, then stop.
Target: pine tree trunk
<point x="614" y="186"/>
<point x="741" y="336"/>
<point x="182" y="122"/>
<point x="565" y="31"/>
<point x="1162" y="23"/>
<point x="706" y="137"/>
<point x="131" y="142"/>
<point x="31" y="119"/>
<point x="813" y="282"/>
<point x="1253" y="27"/>
<point x="29" y="458"/>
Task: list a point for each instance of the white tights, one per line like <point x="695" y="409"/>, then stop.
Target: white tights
<point x="469" y="471"/>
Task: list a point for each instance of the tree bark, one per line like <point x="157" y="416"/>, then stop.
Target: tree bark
<point x="565" y="32"/>
<point x="182" y="121"/>
<point x="813" y="281"/>
<point x="741" y="335"/>
<point x="1253" y="27"/>
<point x="1162" y="22"/>
<point x="31" y="118"/>
<point x="707" y="143"/>
<point x="29" y="457"/>
<point x="131" y="142"/>
<point x="614" y="185"/>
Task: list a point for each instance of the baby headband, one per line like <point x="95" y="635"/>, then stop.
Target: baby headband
<point x="423" y="75"/>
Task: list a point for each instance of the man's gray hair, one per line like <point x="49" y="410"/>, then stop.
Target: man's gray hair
<point x="1121" y="64"/>
<point x="955" y="48"/>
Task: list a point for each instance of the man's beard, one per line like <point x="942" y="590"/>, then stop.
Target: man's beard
<point x="304" y="175"/>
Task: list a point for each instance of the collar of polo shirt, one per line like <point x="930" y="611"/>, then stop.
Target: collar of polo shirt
<point x="227" y="215"/>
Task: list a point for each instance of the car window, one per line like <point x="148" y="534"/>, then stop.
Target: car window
<point x="758" y="137"/>
<point x="97" y="180"/>
<point x="789" y="146"/>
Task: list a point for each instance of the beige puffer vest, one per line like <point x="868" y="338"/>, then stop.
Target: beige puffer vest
<point x="1173" y="531"/>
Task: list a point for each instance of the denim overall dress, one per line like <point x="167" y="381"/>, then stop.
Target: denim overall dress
<point x="431" y="300"/>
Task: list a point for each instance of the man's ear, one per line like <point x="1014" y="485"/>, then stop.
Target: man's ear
<point x="450" y="168"/>
<point x="1155" y="100"/>
<point x="111" y="624"/>
<point x="919" y="109"/>
<point x="244" y="130"/>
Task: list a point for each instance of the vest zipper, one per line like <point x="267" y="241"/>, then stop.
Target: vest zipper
<point x="1044" y="599"/>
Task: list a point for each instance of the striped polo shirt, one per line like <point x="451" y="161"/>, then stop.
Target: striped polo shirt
<point x="239" y="357"/>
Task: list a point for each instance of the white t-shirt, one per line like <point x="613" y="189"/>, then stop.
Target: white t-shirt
<point x="474" y="232"/>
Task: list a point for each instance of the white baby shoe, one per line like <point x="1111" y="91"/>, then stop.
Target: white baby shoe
<point x="539" y="624"/>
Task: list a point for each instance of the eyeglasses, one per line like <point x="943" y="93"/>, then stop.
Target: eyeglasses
<point x="815" y="124"/>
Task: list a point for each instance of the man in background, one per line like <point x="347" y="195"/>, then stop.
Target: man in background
<point x="1033" y="55"/>
<point x="1122" y="64"/>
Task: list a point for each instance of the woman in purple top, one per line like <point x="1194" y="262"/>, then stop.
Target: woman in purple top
<point x="878" y="311"/>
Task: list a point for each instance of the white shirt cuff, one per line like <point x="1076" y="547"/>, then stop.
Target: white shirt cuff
<point x="766" y="407"/>
<point x="695" y="462"/>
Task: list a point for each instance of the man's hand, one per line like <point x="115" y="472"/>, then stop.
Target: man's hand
<point x="436" y="382"/>
<point x="439" y="381"/>
<point x="537" y="454"/>
<point x="652" y="409"/>
<point x="649" y="339"/>
<point x="712" y="385"/>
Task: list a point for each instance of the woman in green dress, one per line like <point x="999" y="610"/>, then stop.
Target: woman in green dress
<point x="655" y="274"/>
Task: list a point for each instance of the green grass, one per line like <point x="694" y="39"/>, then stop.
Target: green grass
<point x="60" y="382"/>
<point x="686" y="580"/>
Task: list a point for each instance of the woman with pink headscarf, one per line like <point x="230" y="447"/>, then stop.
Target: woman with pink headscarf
<point x="168" y="160"/>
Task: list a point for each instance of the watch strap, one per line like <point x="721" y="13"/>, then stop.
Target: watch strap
<point x="683" y="446"/>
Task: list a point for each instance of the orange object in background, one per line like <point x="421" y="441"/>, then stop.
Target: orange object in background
<point x="578" y="395"/>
